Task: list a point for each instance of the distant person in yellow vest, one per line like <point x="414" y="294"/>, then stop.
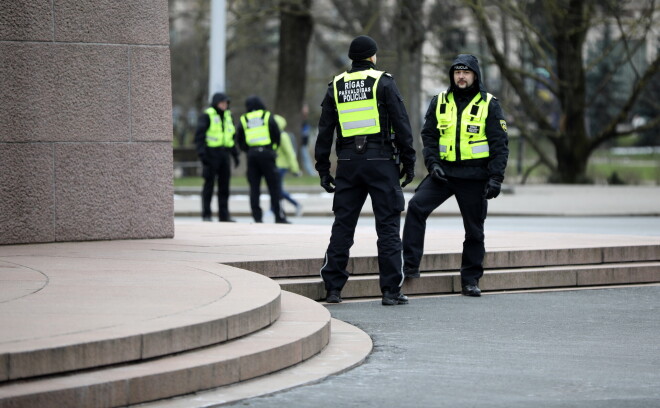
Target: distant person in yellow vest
<point x="259" y="136"/>
<point x="215" y="144"/>
<point x="363" y="106"/>
<point x="287" y="162"/>
<point x="466" y="152"/>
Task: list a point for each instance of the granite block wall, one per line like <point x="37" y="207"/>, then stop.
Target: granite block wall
<point x="85" y="121"/>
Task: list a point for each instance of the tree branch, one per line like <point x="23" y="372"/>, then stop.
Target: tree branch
<point x="610" y="131"/>
<point x="477" y="8"/>
<point x="647" y="126"/>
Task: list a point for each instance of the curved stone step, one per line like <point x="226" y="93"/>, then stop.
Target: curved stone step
<point x="493" y="279"/>
<point x="80" y="314"/>
<point x="302" y="331"/>
<point x="348" y="347"/>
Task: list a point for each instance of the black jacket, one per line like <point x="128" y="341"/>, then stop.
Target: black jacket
<point x="479" y="169"/>
<point x="388" y="96"/>
<point x="251" y="104"/>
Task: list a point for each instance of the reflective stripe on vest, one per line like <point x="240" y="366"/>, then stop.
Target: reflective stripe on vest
<point x="255" y="125"/>
<point x="357" y="106"/>
<point x="473" y="143"/>
<point x="216" y="135"/>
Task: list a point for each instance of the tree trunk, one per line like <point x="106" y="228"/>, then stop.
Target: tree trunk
<point x="409" y="35"/>
<point x="296" y="26"/>
<point x="569" y="33"/>
<point x="571" y="164"/>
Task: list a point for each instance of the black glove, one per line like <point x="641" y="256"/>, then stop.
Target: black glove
<point x="202" y="158"/>
<point x="327" y="183"/>
<point x="437" y="173"/>
<point x="409" y="172"/>
<point x="493" y="188"/>
<point x="237" y="160"/>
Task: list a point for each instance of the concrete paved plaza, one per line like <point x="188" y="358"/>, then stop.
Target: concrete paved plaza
<point x="579" y="348"/>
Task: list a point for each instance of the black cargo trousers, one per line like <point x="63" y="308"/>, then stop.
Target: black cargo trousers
<point x="428" y="196"/>
<point x="376" y="174"/>
<point x="218" y="167"/>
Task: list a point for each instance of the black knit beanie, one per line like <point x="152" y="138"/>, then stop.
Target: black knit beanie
<point x="362" y="47"/>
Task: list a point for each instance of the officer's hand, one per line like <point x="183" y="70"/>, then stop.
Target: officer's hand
<point x="327" y="182"/>
<point x="409" y="173"/>
<point x="203" y="159"/>
<point x="237" y="161"/>
<point x="438" y="174"/>
<point x="493" y="188"/>
<point x="298" y="174"/>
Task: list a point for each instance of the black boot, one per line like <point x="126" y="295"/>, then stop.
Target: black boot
<point x="333" y="296"/>
<point x="471" y="290"/>
<point x="391" y="299"/>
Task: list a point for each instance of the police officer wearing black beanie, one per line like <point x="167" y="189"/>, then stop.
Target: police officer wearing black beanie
<point x="363" y="106"/>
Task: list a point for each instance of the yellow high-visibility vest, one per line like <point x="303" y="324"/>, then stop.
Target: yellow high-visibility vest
<point x="218" y="135"/>
<point x="471" y="138"/>
<point x="255" y="124"/>
<point x="357" y="107"/>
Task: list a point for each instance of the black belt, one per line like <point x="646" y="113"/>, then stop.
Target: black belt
<point x="466" y="163"/>
<point x="260" y="148"/>
<point x="371" y="140"/>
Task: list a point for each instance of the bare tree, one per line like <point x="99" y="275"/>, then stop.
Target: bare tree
<point x="189" y="60"/>
<point x="409" y="35"/>
<point x="252" y="46"/>
<point x="398" y="27"/>
<point x="296" y="26"/>
<point x="559" y="49"/>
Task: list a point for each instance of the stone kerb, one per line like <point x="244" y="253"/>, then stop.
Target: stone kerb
<point x="451" y="261"/>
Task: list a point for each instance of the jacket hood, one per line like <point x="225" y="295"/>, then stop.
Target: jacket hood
<point x="253" y="103"/>
<point x="219" y="97"/>
<point x="281" y="122"/>
<point x="473" y="64"/>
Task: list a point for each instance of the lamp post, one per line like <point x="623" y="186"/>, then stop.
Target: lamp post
<point x="217" y="47"/>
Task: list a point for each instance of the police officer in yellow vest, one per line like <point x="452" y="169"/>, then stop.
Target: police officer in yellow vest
<point x="214" y="141"/>
<point x="466" y="152"/>
<point x="259" y="135"/>
<point x="364" y="105"/>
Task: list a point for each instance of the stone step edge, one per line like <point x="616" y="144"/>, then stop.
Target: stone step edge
<point x="499" y="258"/>
<point x="302" y="331"/>
<point x="361" y="286"/>
<point x="157" y="337"/>
<point x="348" y="348"/>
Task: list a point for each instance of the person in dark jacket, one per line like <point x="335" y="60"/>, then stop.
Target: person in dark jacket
<point x="363" y="105"/>
<point x="259" y="135"/>
<point x="465" y="152"/>
<point x="214" y="141"/>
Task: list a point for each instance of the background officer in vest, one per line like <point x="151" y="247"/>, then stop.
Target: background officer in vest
<point x="214" y="140"/>
<point x="363" y="105"/>
<point x="465" y="152"/>
<point x="259" y="135"/>
<point x="286" y="162"/>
